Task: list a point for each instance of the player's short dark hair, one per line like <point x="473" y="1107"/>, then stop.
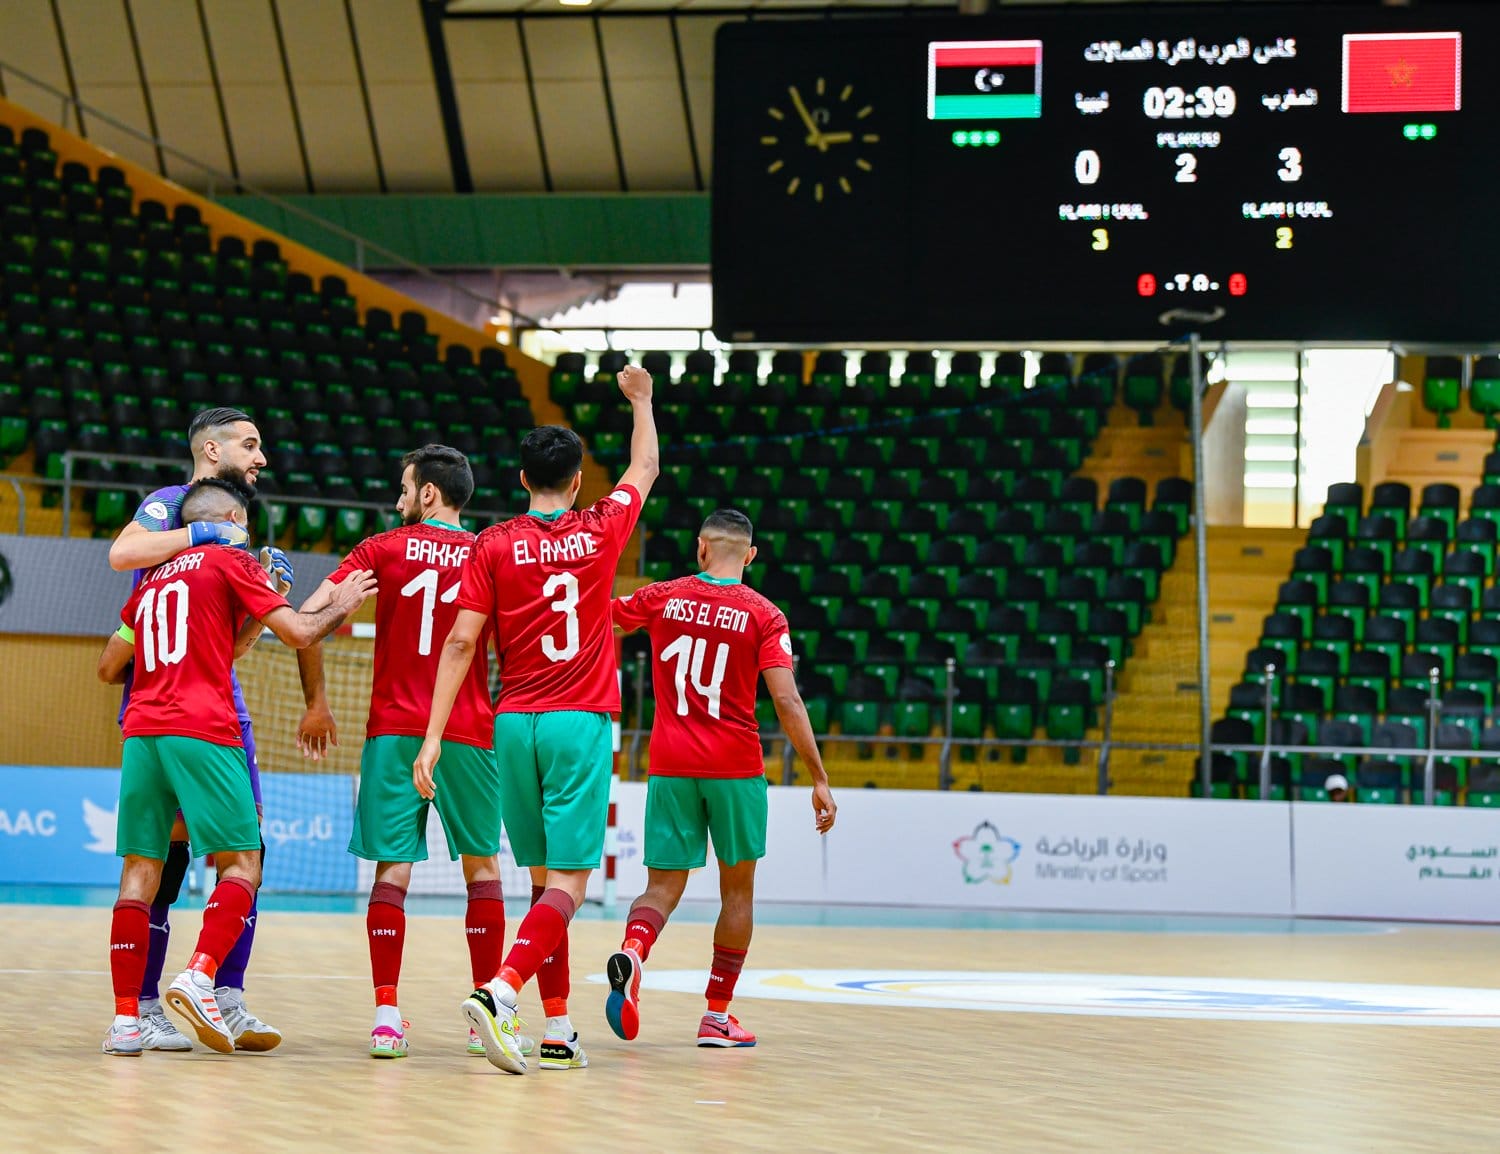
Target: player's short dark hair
<point x="550" y="456"/>
<point x="444" y="467"/>
<point x="215" y="419"/>
<point x="212" y="499"/>
<point x="730" y="522"/>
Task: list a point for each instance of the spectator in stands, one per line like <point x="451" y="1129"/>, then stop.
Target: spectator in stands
<point x="1337" y="788"/>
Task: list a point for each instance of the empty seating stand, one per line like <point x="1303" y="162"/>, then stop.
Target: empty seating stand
<point x="120" y="319"/>
<point x="907" y="521"/>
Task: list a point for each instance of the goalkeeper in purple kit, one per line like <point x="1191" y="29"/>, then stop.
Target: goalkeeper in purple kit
<point x="226" y="444"/>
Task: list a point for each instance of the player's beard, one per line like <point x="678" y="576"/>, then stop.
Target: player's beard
<point x="413" y="517"/>
<point x="236" y="477"/>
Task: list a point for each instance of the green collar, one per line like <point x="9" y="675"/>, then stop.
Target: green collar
<point x="553" y="516"/>
<point x="718" y="580"/>
<point x="443" y="524"/>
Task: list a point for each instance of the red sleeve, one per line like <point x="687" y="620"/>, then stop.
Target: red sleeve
<point x="775" y="641"/>
<point x="634" y="610"/>
<point x="127" y="613"/>
<point x="616" y="514"/>
<point x="477" y="579"/>
<point x="247" y="582"/>
<point x="362" y="556"/>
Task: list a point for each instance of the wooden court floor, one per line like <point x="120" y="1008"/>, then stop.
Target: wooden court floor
<point x="824" y="1077"/>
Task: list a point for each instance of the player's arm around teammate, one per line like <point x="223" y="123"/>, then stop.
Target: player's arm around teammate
<point x="183" y="749"/>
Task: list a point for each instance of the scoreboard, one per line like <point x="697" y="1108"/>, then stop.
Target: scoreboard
<point x="1315" y="172"/>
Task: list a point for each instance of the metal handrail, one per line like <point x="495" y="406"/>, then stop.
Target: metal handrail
<point x="20" y="504"/>
<point x="218" y="176"/>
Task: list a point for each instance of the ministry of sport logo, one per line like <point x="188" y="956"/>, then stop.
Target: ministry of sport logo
<point x="987" y="855"/>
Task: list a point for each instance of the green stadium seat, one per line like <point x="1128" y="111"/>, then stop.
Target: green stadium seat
<point x="1441" y="389"/>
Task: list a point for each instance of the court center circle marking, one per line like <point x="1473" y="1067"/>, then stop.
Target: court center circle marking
<point x="1113" y="995"/>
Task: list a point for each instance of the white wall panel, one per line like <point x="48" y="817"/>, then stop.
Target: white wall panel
<point x="570" y="101"/>
<point x="256" y="100"/>
<point x="697" y="36"/>
<point x="28" y="39"/>
<point x="175" y="59"/>
<point x="648" y="103"/>
<point x="320" y="53"/>
<point x="494" y="106"/>
<point x="403" y="96"/>
<point x="98" y="44"/>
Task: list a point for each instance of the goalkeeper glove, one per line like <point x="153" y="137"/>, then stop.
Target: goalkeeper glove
<point x="278" y="567"/>
<point x="219" y="533"/>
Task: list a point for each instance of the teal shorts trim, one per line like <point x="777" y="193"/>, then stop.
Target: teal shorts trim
<point x="209" y="783"/>
<point x="390" y="816"/>
<point x="682" y="813"/>
<point x="555" y="770"/>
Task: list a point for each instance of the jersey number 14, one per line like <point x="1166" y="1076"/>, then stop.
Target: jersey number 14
<point x="689" y="653"/>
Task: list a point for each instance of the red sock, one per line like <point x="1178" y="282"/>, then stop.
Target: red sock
<point x="485" y="924"/>
<point x="537" y="937"/>
<point x="385" y="921"/>
<point x="722" y="977"/>
<point x="129" y="938"/>
<point x="642" y="928"/>
<point x="223" y="922"/>
<point x="552" y="982"/>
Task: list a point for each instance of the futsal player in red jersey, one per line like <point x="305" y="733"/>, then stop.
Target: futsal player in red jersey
<point x="713" y="637"/>
<point x="418" y="565"/>
<point x="545" y="580"/>
<point x="184" y="751"/>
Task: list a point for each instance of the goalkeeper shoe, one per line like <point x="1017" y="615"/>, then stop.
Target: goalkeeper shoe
<point x="623" y="1008"/>
<point x="563" y="1054"/>
<point x="124" y="1037"/>
<point x="157" y="1031"/>
<point x="712" y="1032"/>
<point x="191" y="997"/>
<point x="248" y="1031"/>
<point x="491" y="1013"/>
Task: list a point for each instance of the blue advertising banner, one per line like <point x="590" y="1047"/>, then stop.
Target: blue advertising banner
<point x="308" y="820"/>
<point x="57" y="827"/>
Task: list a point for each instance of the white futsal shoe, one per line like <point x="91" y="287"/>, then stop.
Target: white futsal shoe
<point x="491" y="1013"/>
<point x="191" y="997"/>
<point x="248" y="1031"/>
<point x="157" y="1031"/>
<point x="476" y="1047"/>
<point x="124" y="1037"/>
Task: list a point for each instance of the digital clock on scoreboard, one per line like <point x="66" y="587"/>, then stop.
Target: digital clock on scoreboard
<point x="1318" y="172"/>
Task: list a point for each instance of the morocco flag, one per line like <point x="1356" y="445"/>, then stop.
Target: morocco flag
<point x="984" y="80"/>
<point x="1403" y="72"/>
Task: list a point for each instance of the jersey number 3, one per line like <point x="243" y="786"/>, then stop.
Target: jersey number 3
<point x="689" y="653"/>
<point x="567" y="605"/>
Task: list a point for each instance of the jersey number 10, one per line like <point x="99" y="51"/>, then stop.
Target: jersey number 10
<point x="689" y="653"/>
<point x="162" y="632"/>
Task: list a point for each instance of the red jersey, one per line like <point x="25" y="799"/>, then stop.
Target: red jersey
<point x="711" y="640"/>
<point x="546" y="584"/>
<point x="419" y="567"/>
<point x="185" y="614"/>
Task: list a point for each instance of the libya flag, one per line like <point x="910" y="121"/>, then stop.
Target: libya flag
<point x="1403" y="72"/>
<point x="984" y="80"/>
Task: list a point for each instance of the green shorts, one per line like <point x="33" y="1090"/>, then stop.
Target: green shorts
<point x="390" y="816"/>
<point x="555" y="770"/>
<point x="682" y="813"/>
<point x="209" y="783"/>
